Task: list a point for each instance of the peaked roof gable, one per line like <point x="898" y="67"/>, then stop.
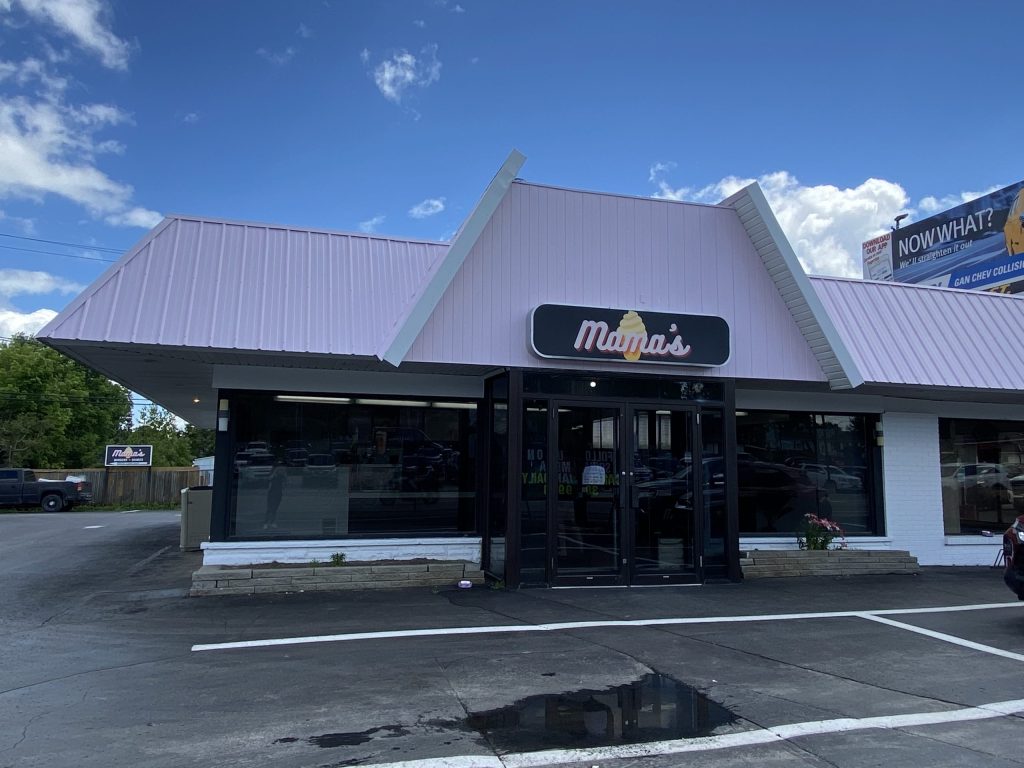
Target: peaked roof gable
<point x="553" y="245"/>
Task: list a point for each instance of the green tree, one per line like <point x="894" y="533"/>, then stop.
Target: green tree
<point x="159" y="428"/>
<point x="201" y="440"/>
<point x="55" y="412"/>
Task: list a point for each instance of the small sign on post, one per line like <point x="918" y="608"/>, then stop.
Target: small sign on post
<point x="128" y="456"/>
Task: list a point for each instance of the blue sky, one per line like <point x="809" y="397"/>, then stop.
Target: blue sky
<point x="393" y="116"/>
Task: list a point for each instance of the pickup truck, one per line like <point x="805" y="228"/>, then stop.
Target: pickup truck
<point x="21" y="488"/>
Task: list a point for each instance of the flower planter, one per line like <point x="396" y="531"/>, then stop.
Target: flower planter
<point x="760" y="563"/>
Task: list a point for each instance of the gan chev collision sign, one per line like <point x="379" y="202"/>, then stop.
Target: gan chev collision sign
<point x="129" y="456"/>
<point x="628" y="336"/>
<point x="979" y="244"/>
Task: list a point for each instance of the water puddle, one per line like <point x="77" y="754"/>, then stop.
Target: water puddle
<point x="654" y="708"/>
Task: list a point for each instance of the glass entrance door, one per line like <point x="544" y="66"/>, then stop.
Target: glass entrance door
<point x="664" y="484"/>
<point x="587" y="498"/>
<point x="625" y="493"/>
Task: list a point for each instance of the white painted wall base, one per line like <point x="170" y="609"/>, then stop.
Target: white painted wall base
<point x="356" y="550"/>
<point x="771" y="543"/>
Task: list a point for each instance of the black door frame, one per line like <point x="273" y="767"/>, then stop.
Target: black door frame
<point x="625" y="574"/>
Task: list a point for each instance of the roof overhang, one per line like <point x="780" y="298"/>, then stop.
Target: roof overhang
<point x="796" y="290"/>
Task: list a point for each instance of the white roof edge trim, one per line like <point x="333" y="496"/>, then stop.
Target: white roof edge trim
<point x="401" y="338"/>
<point x="43" y="333"/>
<point x="806" y="297"/>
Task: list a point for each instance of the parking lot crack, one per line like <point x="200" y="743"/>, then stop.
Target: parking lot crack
<point x="94" y="671"/>
<point x="24" y="733"/>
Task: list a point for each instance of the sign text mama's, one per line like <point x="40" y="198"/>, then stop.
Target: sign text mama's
<point x="595" y="334"/>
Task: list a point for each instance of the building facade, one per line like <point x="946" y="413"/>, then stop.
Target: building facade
<point x="580" y="388"/>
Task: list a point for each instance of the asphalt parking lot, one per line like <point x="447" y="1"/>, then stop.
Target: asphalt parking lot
<point x="105" y="662"/>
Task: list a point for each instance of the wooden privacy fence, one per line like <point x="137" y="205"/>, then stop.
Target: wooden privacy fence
<point x="132" y="485"/>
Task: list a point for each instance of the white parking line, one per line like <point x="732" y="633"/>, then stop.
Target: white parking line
<point x="945" y="638"/>
<point x="91" y="527"/>
<point x="756" y="737"/>
<point x="562" y="626"/>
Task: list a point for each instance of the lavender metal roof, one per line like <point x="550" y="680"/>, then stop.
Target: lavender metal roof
<point x="196" y="282"/>
<point x="919" y="335"/>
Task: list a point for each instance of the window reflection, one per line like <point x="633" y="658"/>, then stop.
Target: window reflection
<point x="791" y="464"/>
<point x="982" y="474"/>
<point x="326" y="469"/>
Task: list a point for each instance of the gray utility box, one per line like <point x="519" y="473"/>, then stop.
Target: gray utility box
<point x="196" y="503"/>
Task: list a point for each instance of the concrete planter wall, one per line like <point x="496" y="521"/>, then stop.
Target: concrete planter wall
<point x="759" y="564"/>
<point x="223" y="580"/>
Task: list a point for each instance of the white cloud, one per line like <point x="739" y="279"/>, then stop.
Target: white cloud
<point x="364" y="55"/>
<point x="21" y="282"/>
<point x="825" y="224"/>
<point x="929" y="205"/>
<point x="85" y="21"/>
<point x="429" y="207"/>
<point x="659" y="168"/>
<point x="370" y="225"/>
<point x="277" y="58"/>
<point x="48" y="146"/>
<point x="404" y="70"/>
<point x="190" y="117"/>
<point x="419" y="23"/>
<point x="458" y="9"/>
<point x="304" y="31"/>
<point x="27" y="226"/>
<point x="134" y="217"/>
<point x="12" y="322"/>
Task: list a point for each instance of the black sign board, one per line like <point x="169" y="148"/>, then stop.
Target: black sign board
<point x="628" y="336"/>
<point x="129" y="456"/>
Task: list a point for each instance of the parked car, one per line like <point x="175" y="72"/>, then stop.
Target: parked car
<point x="987" y="482"/>
<point x="829" y="477"/>
<point x="320" y="469"/>
<point x="1013" y="551"/>
<point x="1017" y="492"/>
<point x="21" y="488"/>
<point x="254" y="467"/>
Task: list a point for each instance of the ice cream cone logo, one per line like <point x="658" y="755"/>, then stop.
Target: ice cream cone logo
<point x="633" y="333"/>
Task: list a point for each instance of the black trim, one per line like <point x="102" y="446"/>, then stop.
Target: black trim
<point x="223" y="451"/>
<point x="732" y="485"/>
<point x="513" y="526"/>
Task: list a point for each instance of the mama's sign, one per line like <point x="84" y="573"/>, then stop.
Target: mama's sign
<point x="628" y="335"/>
<point x="129" y="456"/>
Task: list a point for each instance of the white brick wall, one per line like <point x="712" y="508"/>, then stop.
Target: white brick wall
<point x="913" y="495"/>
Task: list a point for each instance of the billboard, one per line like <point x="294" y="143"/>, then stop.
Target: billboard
<point x="977" y="245"/>
<point x="128" y="456"/>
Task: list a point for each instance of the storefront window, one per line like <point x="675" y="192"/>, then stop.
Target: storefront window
<point x="326" y="467"/>
<point x="981" y="462"/>
<point x="791" y="464"/>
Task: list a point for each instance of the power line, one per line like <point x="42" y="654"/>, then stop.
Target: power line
<point x="55" y="253"/>
<point x="60" y="242"/>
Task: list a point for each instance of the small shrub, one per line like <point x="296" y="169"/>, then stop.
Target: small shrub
<point x="819" y="533"/>
<point x="314" y="563"/>
<point x="338" y="558"/>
